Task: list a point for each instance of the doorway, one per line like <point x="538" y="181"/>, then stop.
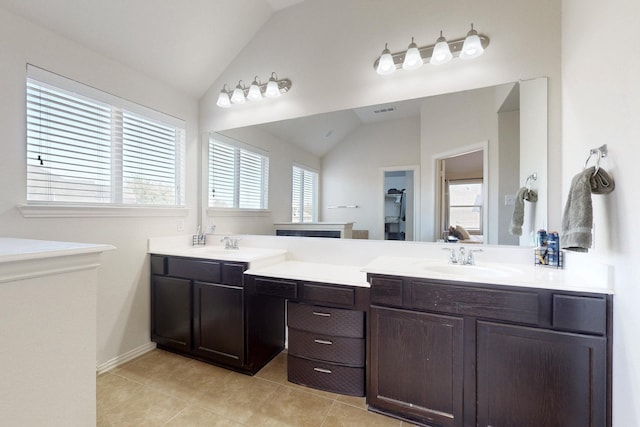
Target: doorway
<point x="461" y="193"/>
<point x="399" y="201"/>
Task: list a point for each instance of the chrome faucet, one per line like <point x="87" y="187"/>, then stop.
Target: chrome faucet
<point x="460" y="258"/>
<point x="230" y="243"/>
<point x="470" y="258"/>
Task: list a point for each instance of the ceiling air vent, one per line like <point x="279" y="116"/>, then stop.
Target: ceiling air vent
<point x="384" y="110"/>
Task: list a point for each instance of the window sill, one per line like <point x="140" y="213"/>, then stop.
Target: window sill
<point x="71" y="211"/>
<point x="233" y="212"/>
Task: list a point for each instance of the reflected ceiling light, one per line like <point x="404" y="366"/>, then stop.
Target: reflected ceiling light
<point x="472" y="47"/>
<point x="412" y="60"/>
<point x="255" y="92"/>
<point x="441" y="52"/>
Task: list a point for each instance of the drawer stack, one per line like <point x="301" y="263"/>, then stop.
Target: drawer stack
<point x="326" y="348"/>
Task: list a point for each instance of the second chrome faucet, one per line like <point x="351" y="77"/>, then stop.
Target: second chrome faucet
<point x="462" y="257"/>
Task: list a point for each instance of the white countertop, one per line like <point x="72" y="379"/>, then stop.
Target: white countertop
<point x="295" y="260"/>
<point x="254" y="256"/>
<point x="520" y="275"/>
<point x="314" y="272"/>
<point x="14" y="249"/>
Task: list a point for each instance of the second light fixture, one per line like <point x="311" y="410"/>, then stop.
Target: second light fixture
<point x="441" y="52"/>
<point x="255" y="92"/>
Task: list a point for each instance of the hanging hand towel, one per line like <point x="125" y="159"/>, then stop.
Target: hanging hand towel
<point x="578" y="212"/>
<point x="517" y="219"/>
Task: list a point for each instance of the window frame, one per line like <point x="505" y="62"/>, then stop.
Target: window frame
<point x="48" y="208"/>
<point x="238" y="147"/>
<point x="315" y="184"/>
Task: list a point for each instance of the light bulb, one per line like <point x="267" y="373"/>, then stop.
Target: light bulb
<point x="385" y="63"/>
<point x="238" y="95"/>
<point x="412" y="59"/>
<point x="472" y="47"/>
<point x="441" y="52"/>
<point x="272" y="91"/>
<point x="254" y="91"/>
<point x="223" y="99"/>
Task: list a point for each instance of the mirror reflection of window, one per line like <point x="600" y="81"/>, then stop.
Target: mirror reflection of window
<point x="465" y="204"/>
<point x="304" y="195"/>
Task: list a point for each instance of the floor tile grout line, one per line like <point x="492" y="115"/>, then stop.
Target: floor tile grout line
<point x="173" y="417"/>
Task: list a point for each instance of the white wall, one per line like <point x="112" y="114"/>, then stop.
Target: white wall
<point x="509" y="182"/>
<point x="123" y="287"/>
<point x="601" y="104"/>
<point x="352" y="174"/>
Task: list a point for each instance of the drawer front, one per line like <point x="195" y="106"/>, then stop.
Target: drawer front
<point x="276" y="288"/>
<point x="346" y="351"/>
<point x="325" y="376"/>
<point x="232" y="273"/>
<point x="158" y="265"/>
<point x="205" y="271"/>
<point x="318" y="293"/>
<point x="514" y="306"/>
<point x="386" y="291"/>
<point x="581" y="314"/>
<point x="327" y="321"/>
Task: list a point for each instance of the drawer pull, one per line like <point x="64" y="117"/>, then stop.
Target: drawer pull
<point x="322" y="370"/>
<point x="319" y="313"/>
<point x="326" y="342"/>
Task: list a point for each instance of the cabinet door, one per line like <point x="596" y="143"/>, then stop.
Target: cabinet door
<point x="537" y="377"/>
<point x="171" y="312"/>
<point x="417" y="365"/>
<point x="218" y="324"/>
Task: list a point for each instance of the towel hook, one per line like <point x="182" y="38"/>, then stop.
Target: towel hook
<point x="532" y="177"/>
<point x="601" y="152"/>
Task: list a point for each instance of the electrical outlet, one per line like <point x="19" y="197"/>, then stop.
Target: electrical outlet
<point x="509" y="200"/>
<point x="180" y="224"/>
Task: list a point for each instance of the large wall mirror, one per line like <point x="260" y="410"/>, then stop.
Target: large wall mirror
<point x="495" y="136"/>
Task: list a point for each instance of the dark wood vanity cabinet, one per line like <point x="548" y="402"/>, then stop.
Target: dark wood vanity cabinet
<point x="199" y="308"/>
<point x="327" y="329"/>
<point x="416" y="367"/>
<point x="452" y="354"/>
<point x="171" y="312"/>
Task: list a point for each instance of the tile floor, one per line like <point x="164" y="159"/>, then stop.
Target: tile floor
<point x="163" y="389"/>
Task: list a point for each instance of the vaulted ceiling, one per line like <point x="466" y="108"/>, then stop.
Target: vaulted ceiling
<point x="185" y="44"/>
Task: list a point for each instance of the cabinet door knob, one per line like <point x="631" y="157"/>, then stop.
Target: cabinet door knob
<point x="326" y="342"/>
<point x="319" y="313"/>
<point x="322" y="370"/>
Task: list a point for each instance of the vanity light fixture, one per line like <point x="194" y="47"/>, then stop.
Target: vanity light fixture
<point x="385" y="65"/>
<point x="441" y="52"/>
<point x="412" y="60"/>
<point x="255" y="92"/>
<point x="472" y="47"/>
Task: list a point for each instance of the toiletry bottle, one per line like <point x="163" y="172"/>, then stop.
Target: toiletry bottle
<point x="553" y="247"/>
<point x="541" y="247"/>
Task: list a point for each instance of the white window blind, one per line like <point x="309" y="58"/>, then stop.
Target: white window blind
<point x="304" y="195"/>
<point x="465" y="204"/>
<point x="84" y="148"/>
<point x="238" y="177"/>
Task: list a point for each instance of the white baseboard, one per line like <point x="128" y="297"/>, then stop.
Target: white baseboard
<point x="124" y="358"/>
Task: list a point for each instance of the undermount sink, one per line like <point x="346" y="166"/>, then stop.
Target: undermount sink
<point x="495" y="271"/>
